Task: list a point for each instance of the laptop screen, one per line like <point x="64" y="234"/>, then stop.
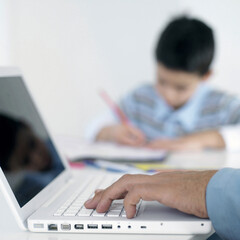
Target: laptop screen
<point x="27" y="155"/>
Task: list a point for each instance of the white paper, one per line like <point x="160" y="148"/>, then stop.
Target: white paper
<point x="75" y="148"/>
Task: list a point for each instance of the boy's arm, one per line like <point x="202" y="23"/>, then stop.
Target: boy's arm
<point x="195" y="141"/>
<point x="123" y="134"/>
<point x="230" y="132"/>
<point x="109" y="128"/>
<point x="95" y="128"/>
<point x="227" y="136"/>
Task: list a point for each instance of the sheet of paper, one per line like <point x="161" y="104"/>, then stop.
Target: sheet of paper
<point x="75" y="149"/>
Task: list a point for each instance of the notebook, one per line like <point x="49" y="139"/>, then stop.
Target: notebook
<point x="77" y="149"/>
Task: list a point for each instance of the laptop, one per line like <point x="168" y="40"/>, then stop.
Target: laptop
<point x="42" y="191"/>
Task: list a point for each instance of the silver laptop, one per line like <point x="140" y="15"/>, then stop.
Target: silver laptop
<point x="43" y="193"/>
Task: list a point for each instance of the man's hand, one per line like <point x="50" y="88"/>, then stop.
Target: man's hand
<point x="193" y="142"/>
<point x="123" y="134"/>
<point x="183" y="190"/>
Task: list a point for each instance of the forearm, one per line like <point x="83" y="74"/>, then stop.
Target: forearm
<point x="209" y="139"/>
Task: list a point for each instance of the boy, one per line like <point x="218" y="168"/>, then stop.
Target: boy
<point x="179" y="112"/>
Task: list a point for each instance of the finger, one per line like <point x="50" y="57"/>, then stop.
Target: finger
<point x="119" y="190"/>
<point x="93" y="202"/>
<point x="145" y="191"/>
<point x="98" y="190"/>
<point x="137" y="134"/>
<point x="128" y="140"/>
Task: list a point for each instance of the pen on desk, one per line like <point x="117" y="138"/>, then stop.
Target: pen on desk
<point x="114" y="107"/>
<point x="112" y="167"/>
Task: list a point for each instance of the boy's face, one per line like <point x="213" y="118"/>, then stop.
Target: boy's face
<point x="176" y="87"/>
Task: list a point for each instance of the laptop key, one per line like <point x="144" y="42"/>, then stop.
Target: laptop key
<point x="113" y="213"/>
<point x="69" y="214"/>
<point x="58" y="213"/>
<point x="72" y="209"/>
<point x="116" y="207"/>
<point x="75" y="206"/>
<point x="137" y="209"/>
<point x="118" y="201"/>
<point x="85" y="212"/>
<point x="124" y="214"/>
<point x="96" y="214"/>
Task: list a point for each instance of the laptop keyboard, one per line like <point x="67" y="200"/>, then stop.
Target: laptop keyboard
<point x="74" y="206"/>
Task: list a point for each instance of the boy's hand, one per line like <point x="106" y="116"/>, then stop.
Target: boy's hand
<point x="183" y="190"/>
<point x="193" y="142"/>
<point x="122" y="134"/>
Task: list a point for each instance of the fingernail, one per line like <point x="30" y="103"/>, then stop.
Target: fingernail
<point x="99" y="206"/>
<point x="88" y="201"/>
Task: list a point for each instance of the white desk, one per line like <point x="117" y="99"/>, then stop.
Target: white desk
<point x="203" y="160"/>
<point x="213" y="160"/>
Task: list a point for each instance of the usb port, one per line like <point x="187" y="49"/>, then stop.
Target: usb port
<point x="143" y="227"/>
<point x="78" y="226"/>
<point x="66" y="227"/>
<point x="38" y="225"/>
<point x="92" y="226"/>
<point x="106" y="226"/>
<point x="52" y="227"/>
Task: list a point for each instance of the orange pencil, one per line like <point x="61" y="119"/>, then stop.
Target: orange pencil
<point x="114" y="107"/>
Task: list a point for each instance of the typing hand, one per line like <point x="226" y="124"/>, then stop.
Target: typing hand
<point x="123" y="134"/>
<point x="193" y="142"/>
<point x="183" y="190"/>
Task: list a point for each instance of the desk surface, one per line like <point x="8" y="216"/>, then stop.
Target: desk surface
<point x="212" y="159"/>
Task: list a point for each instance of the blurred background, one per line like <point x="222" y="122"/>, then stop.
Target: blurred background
<point x="69" y="49"/>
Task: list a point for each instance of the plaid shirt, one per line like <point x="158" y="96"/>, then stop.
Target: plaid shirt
<point x="207" y="109"/>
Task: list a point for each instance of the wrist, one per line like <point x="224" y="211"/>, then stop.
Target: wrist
<point x="207" y="175"/>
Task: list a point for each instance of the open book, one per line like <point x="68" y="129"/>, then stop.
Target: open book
<point x="76" y="149"/>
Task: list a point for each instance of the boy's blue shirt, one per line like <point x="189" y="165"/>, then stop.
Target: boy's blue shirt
<point x="207" y="109"/>
<point x="187" y="114"/>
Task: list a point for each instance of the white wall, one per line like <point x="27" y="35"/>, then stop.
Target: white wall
<point x="68" y="49"/>
<point x="4" y="34"/>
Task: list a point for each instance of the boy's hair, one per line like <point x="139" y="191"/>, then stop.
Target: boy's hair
<point x="186" y="44"/>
